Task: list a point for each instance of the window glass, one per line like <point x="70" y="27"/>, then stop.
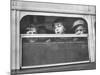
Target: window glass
<point x="51" y="40"/>
<point x="32" y="24"/>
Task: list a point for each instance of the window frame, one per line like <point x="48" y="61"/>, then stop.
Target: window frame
<point x="90" y="36"/>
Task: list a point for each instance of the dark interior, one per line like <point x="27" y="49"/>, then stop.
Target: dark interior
<point x="47" y="22"/>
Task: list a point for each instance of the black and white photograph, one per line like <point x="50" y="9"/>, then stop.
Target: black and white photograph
<point x="52" y="37"/>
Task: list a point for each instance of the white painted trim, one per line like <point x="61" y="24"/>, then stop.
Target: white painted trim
<point x="17" y="25"/>
<point x="13" y="47"/>
<point x="53" y="7"/>
<point x="59" y="64"/>
<point x="24" y="13"/>
<point x="91" y="37"/>
<point x="52" y="35"/>
<point x="93" y="41"/>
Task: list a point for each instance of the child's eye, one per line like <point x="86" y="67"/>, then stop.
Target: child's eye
<point x="79" y="30"/>
<point x="59" y="25"/>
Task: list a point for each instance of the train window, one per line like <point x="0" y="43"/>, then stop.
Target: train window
<point x="51" y="40"/>
<point x="32" y="25"/>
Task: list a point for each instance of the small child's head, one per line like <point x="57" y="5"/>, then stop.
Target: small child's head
<point x="79" y="27"/>
<point x="59" y="27"/>
<point x="32" y="29"/>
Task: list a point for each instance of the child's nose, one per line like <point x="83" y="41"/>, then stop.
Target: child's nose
<point x="78" y="32"/>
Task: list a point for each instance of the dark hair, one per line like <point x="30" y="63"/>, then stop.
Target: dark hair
<point x="58" y="20"/>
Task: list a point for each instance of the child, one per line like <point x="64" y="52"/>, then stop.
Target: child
<point x="58" y="28"/>
<point x="79" y="27"/>
<point x="31" y="30"/>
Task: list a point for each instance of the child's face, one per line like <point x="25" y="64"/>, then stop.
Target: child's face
<point x="59" y="28"/>
<point x="32" y="31"/>
<point x="80" y="30"/>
